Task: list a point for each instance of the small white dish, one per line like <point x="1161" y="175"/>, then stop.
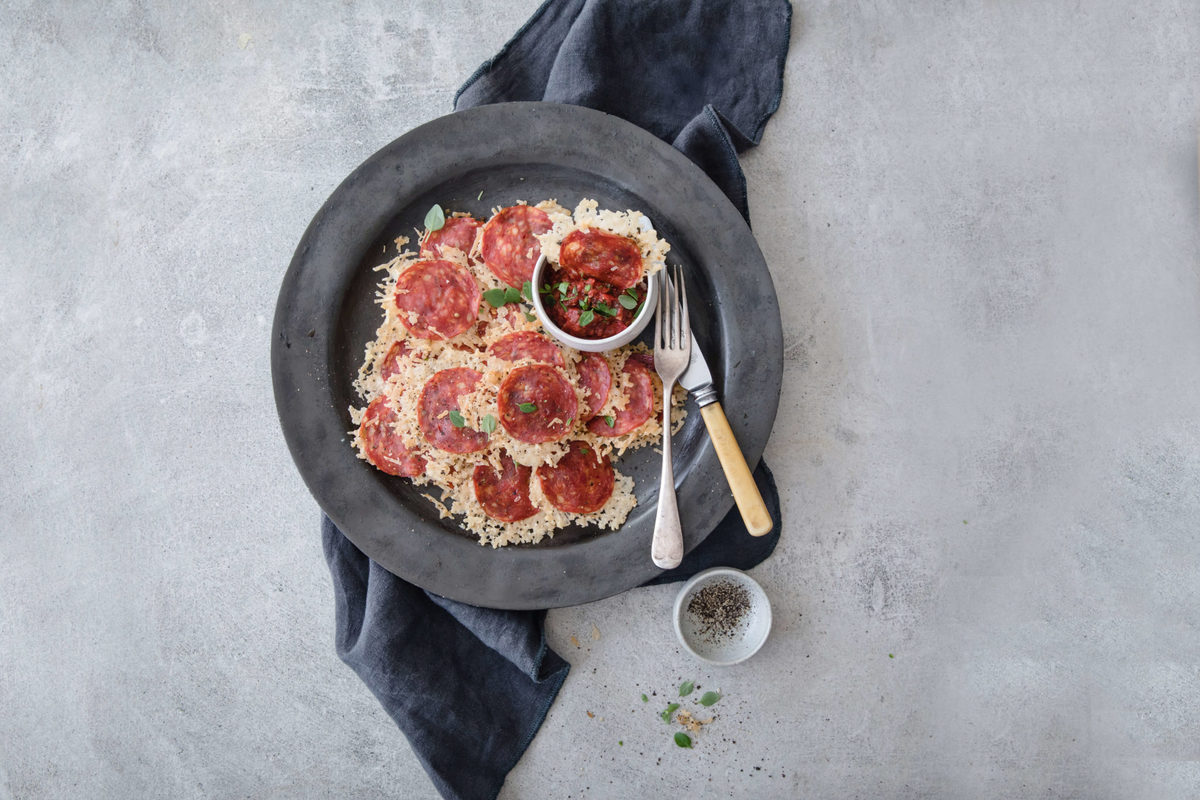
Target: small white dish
<point x="722" y="637"/>
<point x="593" y="345"/>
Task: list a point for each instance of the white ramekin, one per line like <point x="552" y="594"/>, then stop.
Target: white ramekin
<point x="742" y="642"/>
<point x="594" y="345"/>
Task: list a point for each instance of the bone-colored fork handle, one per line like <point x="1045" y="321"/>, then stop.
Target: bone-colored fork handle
<point x="745" y="490"/>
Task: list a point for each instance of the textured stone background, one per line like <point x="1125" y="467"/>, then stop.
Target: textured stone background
<point x="982" y="223"/>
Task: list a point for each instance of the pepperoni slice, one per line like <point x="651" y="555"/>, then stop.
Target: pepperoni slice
<point x="580" y="483"/>
<point x="458" y="232"/>
<point x="596" y="377"/>
<point x="438" y="399"/>
<point x="639" y="408"/>
<point x="382" y="445"/>
<point x="509" y="247"/>
<point x="504" y="495"/>
<point x="537" y="404"/>
<point x="527" y="344"/>
<point x="443" y="296"/>
<point x="603" y="256"/>
<point x="391" y="362"/>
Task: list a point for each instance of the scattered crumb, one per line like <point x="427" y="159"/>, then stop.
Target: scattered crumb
<point x="574" y="641"/>
<point x="245" y="40"/>
<point x="595" y="633"/>
<point x="591" y="715"/>
<point x="690" y="722"/>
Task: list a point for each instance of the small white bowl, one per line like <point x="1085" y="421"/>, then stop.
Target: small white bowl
<point x="593" y="345"/>
<point x="723" y="647"/>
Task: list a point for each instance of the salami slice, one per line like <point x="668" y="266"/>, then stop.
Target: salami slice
<point x="443" y="297"/>
<point x="580" y="483"/>
<point x="527" y="344"/>
<point x="382" y="445"/>
<point x="504" y="495"/>
<point x="596" y="377"/>
<point x="537" y="404"/>
<point x="639" y="408"/>
<point x="458" y="232"/>
<point x="438" y="399"/>
<point x="509" y="247"/>
<point x="603" y="256"/>
<point x="391" y="361"/>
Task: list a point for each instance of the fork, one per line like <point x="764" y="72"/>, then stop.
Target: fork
<point x="672" y="349"/>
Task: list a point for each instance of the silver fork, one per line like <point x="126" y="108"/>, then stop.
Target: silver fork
<point x="672" y="349"/>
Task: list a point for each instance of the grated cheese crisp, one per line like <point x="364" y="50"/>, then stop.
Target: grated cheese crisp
<point x="450" y="473"/>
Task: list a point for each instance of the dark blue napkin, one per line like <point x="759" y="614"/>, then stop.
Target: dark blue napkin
<point x="470" y="686"/>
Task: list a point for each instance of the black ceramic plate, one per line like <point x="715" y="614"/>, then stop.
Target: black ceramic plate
<point x="517" y="151"/>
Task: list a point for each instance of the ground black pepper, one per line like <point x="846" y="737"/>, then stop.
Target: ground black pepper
<point x="718" y="609"/>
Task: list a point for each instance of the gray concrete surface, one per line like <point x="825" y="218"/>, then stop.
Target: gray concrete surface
<point x="982" y="222"/>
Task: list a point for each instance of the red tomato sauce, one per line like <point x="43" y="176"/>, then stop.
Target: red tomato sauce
<point x="587" y="307"/>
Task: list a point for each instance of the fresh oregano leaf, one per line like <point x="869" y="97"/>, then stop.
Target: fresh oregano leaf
<point x="435" y="220"/>
<point x="686" y="688"/>
<point x="627" y="302"/>
<point x="611" y="420"/>
<point x="709" y="698"/>
<point x="682" y="739"/>
<point x="512" y="295"/>
<point x="586" y="317"/>
<point x="645" y="699"/>
<point x="530" y="317"/>
<point x="528" y="408"/>
<point x="668" y="711"/>
<point x="456" y="419"/>
<point x="527" y="291"/>
<point x="494" y="297"/>
<point x="488" y="424"/>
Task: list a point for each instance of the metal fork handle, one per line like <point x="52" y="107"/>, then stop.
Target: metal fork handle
<point x="666" y="549"/>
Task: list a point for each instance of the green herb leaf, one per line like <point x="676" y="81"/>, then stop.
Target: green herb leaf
<point x="435" y="219"/>
<point x="586" y="317"/>
<point x="611" y="420"/>
<point x="456" y="419"/>
<point x="668" y="711"/>
<point x="512" y="295"/>
<point x="683" y="740"/>
<point x="562" y="288"/>
<point x="709" y="698"/>
<point x="645" y="699"/>
<point x="606" y="310"/>
<point x="585" y="451"/>
<point x="527" y="291"/>
<point x="639" y="309"/>
<point x="620" y="743"/>
<point x="528" y="408"/>
<point x="627" y="302"/>
<point x="686" y="688"/>
<point x="488" y="424"/>
<point x="631" y="292"/>
<point x="530" y="317"/>
<point x="494" y="297"/>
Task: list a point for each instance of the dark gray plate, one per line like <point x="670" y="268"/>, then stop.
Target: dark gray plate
<point x="517" y="151"/>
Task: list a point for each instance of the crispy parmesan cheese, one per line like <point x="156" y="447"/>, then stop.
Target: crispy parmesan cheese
<point x="397" y="366"/>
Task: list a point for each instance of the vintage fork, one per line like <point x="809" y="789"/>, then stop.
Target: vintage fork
<point x="672" y="348"/>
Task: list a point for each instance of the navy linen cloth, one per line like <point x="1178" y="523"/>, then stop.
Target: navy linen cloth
<point x="470" y="686"/>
